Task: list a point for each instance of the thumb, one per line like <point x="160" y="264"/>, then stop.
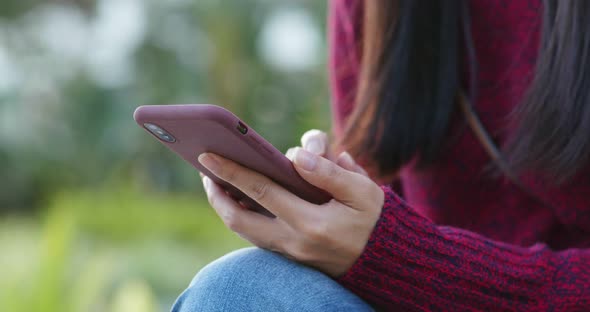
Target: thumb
<point x="349" y="188"/>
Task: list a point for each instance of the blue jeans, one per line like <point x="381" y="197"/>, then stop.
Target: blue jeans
<point x="254" y="279"/>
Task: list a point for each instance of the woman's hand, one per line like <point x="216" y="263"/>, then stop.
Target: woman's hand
<point x="329" y="237"/>
<point x="316" y="142"/>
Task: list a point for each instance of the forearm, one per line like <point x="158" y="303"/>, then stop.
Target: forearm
<point x="411" y="263"/>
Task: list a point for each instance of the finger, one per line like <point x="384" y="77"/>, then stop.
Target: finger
<point x="261" y="189"/>
<point x="205" y="183"/>
<point x="347" y="162"/>
<point x="346" y="186"/>
<point x="315" y="141"/>
<point x="256" y="228"/>
<point x="290" y="153"/>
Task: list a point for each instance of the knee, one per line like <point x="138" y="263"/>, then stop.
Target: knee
<point x="254" y="279"/>
<point x="230" y="281"/>
<point x="235" y="266"/>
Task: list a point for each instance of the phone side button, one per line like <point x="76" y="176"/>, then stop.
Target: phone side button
<point x="266" y="149"/>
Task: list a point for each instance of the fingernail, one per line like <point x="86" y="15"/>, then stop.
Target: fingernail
<point x="345" y="157"/>
<point x="305" y="159"/>
<point x="206" y="183"/>
<point x="289" y="154"/>
<point x="315" y="146"/>
<point x="210" y="162"/>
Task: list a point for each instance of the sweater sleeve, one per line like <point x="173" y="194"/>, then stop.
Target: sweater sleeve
<point x="411" y="264"/>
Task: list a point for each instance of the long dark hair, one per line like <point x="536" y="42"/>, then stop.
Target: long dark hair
<point x="412" y="51"/>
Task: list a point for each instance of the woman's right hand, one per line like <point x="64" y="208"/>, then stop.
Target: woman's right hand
<point x="316" y="142"/>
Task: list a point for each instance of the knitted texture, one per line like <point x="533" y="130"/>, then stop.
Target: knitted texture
<point x="462" y="239"/>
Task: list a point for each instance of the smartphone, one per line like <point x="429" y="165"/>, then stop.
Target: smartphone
<point x="190" y="130"/>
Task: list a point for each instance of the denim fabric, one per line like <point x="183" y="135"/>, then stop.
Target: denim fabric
<point x="254" y="279"/>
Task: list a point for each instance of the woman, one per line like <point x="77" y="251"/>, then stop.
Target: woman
<point x="511" y="232"/>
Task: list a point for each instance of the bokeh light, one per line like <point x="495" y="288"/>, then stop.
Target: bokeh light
<point x="94" y="214"/>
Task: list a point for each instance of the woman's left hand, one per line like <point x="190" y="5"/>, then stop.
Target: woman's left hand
<point x="328" y="237"/>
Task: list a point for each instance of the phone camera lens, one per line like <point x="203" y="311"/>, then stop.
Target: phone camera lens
<point x="242" y="128"/>
<point x="159" y="132"/>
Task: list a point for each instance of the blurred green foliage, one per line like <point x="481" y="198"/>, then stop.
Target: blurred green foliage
<point x="94" y="214"/>
<point x="65" y="124"/>
<point x="93" y="250"/>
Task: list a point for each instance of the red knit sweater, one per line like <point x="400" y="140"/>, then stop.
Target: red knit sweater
<point x="461" y="239"/>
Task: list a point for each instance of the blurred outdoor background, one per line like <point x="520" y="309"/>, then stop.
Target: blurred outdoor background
<point x="96" y="215"/>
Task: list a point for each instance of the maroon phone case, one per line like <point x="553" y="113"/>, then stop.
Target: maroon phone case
<point x="200" y="128"/>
